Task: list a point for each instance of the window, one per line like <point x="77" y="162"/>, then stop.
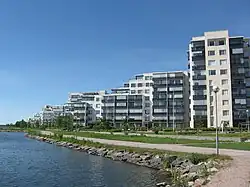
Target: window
<point x="224" y="81"/>
<point x="133" y="91"/>
<point x="147" y="78"/>
<point x="225" y="102"/>
<point x="212" y="72"/>
<point x="224" y="92"/>
<point x="223" y="71"/>
<point x="211" y="62"/>
<point x="147" y="91"/>
<point x="222" y="52"/>
<point x="139" y="84"/>
<point x="151" y="84"/>
<point x="97" y="99"/>
<point x="147" y="84"/>
<point x="147" y="98"/>
<point x="225" y="112"/>
<point x="211" y="53"/>
<point x="222" y="62"/>
<point x="147" y="104"/>
<point x="139" y="91"/>
<point x="133" y="85"/>
<point x="211" y="43"/>
<point x="97" y="105"/>
<point x="211" y="110"/>
<point x="241" y="70"/>
<point x="222" y="42"/>
<point x="98" y="112"/>
<point x="210" y="82"/>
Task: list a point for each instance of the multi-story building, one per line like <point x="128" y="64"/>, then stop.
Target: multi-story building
<point x="216" y="59"/>
<point x="82" y="112"/>
<point x="49" y="113"/>
<point x="171" y="99"/>
<point x="92" y="98"/>
<point x="120" y="106"/>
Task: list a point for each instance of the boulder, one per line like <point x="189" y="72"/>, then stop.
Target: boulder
<point x="198" y="168"/>
<point x="178" y="162"/>
<point x="156" y="163"/>
<point x="199" y="182"/>
<point x="190" y="183"/>
<point x="212" y="170"/>
<point x="145" y="157"/>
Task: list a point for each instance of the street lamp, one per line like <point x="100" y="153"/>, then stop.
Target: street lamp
<point x="248" y="128"/>
<point x="216" y="90"/>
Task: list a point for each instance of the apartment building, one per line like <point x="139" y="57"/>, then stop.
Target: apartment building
<point x="216" y="59"/>
<point x="82" y="112"/>
<point x="171" y="99"/>
<point x="94" y="99"/>
<point x="49" y="113"/>
<point x="121" y="105"/>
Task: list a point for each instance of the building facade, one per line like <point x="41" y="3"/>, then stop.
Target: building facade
<point x="218" y="60"/>
<point x="171" y="99"/>
<point x="94" y="99"/>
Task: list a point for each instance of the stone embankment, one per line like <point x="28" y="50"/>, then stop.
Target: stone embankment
<point x="185" y="171"/>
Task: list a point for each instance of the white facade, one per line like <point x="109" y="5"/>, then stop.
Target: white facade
<point x="92" y="98"/>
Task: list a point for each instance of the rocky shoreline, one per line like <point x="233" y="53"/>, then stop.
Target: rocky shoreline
<point x="185" y="171"/>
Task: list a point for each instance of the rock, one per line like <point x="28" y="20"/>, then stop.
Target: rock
<point x="192" y="176"/>
<point x="212" y="170"/>
<point x="161" y="184"/>
<point x="178" y="162"/>
<point x="155" y="163"/>
<point x="170" y="158"/>
<point x="145" y="157"/>
<point x="197" y="168"/>
<point x="199" y="182"/>
<point x="190" y="183"/>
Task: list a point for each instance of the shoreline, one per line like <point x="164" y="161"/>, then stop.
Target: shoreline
<point x="179" y="167"/>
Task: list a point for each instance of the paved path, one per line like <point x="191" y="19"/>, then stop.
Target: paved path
<point x="236" y="175"/>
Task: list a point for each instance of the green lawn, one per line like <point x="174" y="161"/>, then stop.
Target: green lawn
<point x="133" y="138"/>
<point x="234" y="145"/>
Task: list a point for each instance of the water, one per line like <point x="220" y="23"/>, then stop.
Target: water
<point x="29" y="163"/>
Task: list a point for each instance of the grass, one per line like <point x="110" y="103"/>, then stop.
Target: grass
<point x="134" y="138"/>
<point x="196" y="157"/>
<point x="234" y="145"/>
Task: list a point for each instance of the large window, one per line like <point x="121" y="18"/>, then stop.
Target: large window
<point x="222" y="62"/>
<point x="224" y="81"/>
<point x="225" y="112"/>
<point x="222" y="42"/>
<point x="133" y="85"/>
<point x="211" y="62"/>
<point x="211" y="43"/>
<point x="211" y="53"/>
<point x="147" y="91"/>
<point x="223" y="52"/>
<point x="212" y="72"/>
<point x="223" y="71"/>
<point x="225" y="92"/>
<point x="140" y="84"/>
<point x="225" y="102"/>
<point x="133" y="91"/>
<point x="147" y="84"/>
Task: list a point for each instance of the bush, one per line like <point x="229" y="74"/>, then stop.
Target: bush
<point x="168" y="130"/>
<point x="115" y="130"/>
<point x="197" y="158"/>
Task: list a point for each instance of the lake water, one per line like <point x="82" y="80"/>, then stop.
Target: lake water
<point x="28" y="163"/>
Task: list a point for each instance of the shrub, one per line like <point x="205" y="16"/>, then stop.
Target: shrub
<point x="197" y="158"/>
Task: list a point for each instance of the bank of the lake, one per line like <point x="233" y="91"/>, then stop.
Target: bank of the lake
<point x="28" y="163"/>
<point x="188" y="169"/>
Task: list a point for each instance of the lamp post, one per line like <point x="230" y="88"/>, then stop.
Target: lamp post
<point x="248" y="128"/>
<point x="216" y="90"/>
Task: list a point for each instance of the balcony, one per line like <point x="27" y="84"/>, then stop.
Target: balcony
<point x="199" y="67"/>
<point x="198" y="48"/>
<point x="199" y="77"/>
<point x="199" y="97"/>
<point x="199" y="87"/>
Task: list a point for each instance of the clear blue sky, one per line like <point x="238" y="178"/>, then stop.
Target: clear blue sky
<point x="49" y="48"/>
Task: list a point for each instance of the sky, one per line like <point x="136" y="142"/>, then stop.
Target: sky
<point x="50" y="48"/>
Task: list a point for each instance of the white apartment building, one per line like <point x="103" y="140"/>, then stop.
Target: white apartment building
<point x="216" y="59"/>
<point x="92" y="98"/>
